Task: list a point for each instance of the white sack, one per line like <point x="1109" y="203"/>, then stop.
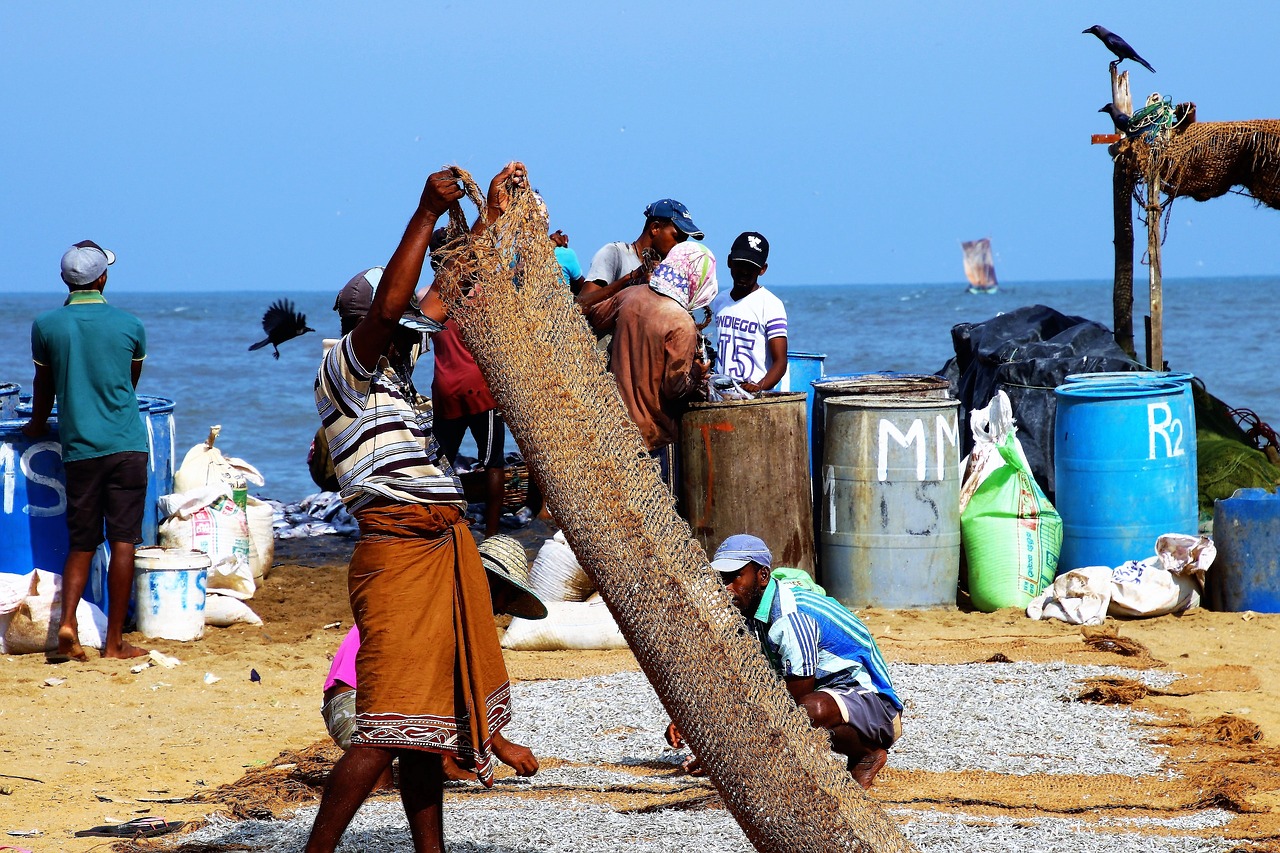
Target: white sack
<point x="1077" y="597"/>
<point x="221" y="530"/>
<point x="1169" y="582"/>
<point x="569" y="625"/>
<point x="33" y="625"/>
<point x="223" y="610"/>
<point x="555" y="574"/>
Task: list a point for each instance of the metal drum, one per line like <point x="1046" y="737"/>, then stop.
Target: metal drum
<point x="890" y="509"/>
<point x="8" y="400"/>
<point x="1246" y="573"/>
<point x="745" y="469"/>
<point x="1124" y="465"/>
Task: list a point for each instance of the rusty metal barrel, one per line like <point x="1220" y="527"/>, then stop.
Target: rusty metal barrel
<point x="890" y="502"/>
<point x="745" y="469"/>
<point x="924" y="385"/>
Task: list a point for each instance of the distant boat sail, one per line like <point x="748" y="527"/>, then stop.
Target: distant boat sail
<point x="978" y="267"/>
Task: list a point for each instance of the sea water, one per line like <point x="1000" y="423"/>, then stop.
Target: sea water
<point x="1220" y="330"/>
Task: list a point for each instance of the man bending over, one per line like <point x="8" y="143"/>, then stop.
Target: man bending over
<point x="827" y="657"/>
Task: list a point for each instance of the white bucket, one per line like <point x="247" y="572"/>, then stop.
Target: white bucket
<point x="262" y="538"/>
<point x="168" y="588"/>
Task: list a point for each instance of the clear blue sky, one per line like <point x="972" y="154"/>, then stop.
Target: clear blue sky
<point x="282" y="146"/>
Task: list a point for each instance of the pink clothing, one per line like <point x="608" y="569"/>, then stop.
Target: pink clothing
<point x="343" y="670"/>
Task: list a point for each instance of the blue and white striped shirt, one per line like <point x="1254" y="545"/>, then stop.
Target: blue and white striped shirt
<point x="381" y="444"/>
<point x="805" y="633"/>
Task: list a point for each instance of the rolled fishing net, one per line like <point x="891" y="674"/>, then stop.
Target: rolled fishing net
<point x="776" y="773"/>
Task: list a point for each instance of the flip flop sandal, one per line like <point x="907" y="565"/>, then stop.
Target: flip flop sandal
<point x="143" y="827"/>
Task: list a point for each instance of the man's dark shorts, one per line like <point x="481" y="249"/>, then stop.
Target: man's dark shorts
<point x="487" y="428"/>
<point x="871" y="714"/>
<point x="108" y="491"/>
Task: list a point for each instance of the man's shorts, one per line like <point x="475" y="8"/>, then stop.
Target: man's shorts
<point x="108" y="491"/>
<point x="487" y="428"/>
<point x="872" y="715"/>
<point x="340" y="718"/>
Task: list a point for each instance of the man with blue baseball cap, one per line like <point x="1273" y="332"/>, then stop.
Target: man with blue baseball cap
<point x="88" y="357"/>
<point x="619" y="264"/>
<point x="827" y="657"/>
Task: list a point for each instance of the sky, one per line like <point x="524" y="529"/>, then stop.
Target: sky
<point x="282" y="146"/>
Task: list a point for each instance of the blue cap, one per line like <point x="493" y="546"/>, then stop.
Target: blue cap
<point x="85" y="262"/>
<point x="669" y="208"/>
<point x="738" y="550"/>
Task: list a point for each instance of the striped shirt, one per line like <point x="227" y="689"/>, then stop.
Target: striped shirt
<point x="381" y="443"/>
<point x="805" y="633"/>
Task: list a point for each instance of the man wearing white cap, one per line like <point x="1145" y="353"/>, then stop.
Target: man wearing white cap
<point x="88" y="357"/>
<point x="827" y="657"/>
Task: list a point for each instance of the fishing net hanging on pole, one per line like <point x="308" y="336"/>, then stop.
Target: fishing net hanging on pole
<point x="776" y="773"/>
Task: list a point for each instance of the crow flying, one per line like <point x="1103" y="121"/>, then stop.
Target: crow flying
<point x="282" y="322"/>
<point x="1118" y="46"/>
<point x="1118" y="116"/>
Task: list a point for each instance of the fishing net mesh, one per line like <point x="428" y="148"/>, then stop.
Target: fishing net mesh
<point x="775" y="772"/>
<point x="1206" y="159"/>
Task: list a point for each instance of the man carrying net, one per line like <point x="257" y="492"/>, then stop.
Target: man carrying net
<point x="432" y="679"/>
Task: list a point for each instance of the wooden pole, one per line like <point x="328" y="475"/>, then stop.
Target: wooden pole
<point x="1120" y="91"/>
<point x="1122" y="291"/>
<point x="1156" y="361"/>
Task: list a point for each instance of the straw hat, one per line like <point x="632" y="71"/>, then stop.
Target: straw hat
<point x="505" y="561"/>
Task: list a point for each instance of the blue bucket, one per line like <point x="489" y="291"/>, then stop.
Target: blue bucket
<point x="1246" y="573"/>
<point x="804" y="369"/>
<point x="160" y="441"/>
<point x="9" y="393"/>
<point x="1124" y="464"/>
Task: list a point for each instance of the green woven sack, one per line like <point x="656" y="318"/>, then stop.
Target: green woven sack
<point x="1011" y="535"/>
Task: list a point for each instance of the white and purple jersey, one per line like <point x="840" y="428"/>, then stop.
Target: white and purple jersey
<point x="743" y="331"/>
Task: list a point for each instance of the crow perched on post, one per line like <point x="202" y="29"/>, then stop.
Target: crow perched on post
<point x="1118" y="116"/>
<point x="1118" y="46"/>
<point x="282" y="322"/>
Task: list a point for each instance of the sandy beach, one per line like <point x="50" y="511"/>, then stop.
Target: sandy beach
<point x="108" y="745"/>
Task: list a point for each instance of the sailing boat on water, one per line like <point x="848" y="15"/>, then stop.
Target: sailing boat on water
<point x="978" y="267"/>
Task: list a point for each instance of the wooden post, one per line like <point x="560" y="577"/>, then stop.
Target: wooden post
<point x="1122" y="291"/>
<point x="1156" y="345"/>
<point x="1120" y="91"/>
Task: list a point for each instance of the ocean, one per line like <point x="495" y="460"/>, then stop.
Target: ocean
<point x="198" y="349"/>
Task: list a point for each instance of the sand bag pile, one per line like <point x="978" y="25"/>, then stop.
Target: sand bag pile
<point x="776" y="774"/>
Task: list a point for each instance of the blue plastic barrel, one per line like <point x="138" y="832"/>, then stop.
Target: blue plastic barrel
<point x="160" y="440"/>
<point x="1124" y="464"/>
<point x="804" y="369"/>
<point x="33" y="508"/>
<point x="1246" y="573"/>
<point x="9" y="400"/>
<point x="150" y="521"/>
<point x="33" y="505"/>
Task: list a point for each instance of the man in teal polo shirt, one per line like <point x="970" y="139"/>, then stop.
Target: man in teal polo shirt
<point x="88" y="356"/>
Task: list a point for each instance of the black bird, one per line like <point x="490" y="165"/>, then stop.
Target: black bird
<point x="1118" y="46"/>
<point x="1118" y="116"/>
<point x="282" y="322"/>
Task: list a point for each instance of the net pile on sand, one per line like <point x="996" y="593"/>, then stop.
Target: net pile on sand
<point x="1204" y="160"/>
<point x="774" y="771"/>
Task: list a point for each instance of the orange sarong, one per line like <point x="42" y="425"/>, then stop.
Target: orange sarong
<point x="430" y="669"/>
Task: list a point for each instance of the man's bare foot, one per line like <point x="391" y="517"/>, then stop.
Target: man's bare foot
<point x="519" y="758"/>
<point x="125" y="652"/>
<point x="453" y="772"/>
<point x="865" y="770"/>
<point x="69" y="645"/>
